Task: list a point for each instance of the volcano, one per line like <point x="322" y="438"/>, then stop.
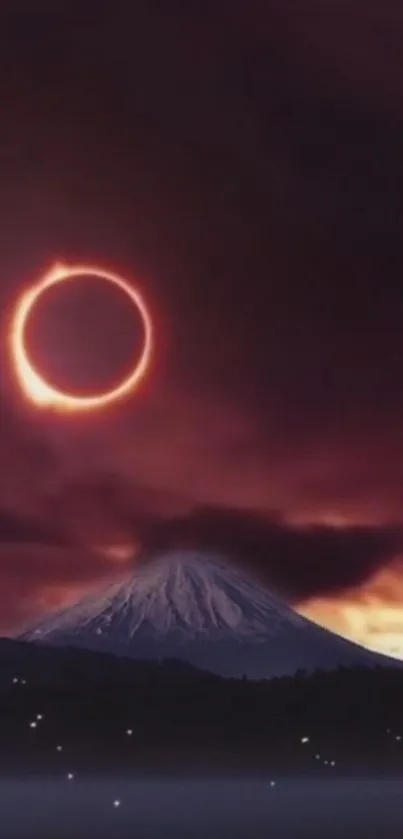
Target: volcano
<point x="197" y="608"/>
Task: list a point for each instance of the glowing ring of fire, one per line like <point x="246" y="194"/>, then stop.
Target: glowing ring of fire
<point x="35" y="387"/>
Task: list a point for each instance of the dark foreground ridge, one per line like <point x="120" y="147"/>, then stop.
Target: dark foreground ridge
<point x="171" y="719"/>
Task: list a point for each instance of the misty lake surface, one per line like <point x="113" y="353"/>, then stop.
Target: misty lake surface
<point x="293" y="809"/>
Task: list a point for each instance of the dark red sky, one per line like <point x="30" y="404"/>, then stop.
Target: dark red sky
<point x="243" y="163"/>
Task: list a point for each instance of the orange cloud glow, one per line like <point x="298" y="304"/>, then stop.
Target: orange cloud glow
<point x="370" y="615"/>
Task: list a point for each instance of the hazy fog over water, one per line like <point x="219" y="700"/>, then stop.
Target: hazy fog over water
<point x="119" y="807"/>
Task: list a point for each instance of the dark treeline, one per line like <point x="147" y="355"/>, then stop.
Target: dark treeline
<point x="178" y="716"/>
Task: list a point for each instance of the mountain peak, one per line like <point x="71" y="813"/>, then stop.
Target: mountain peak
<point x="197" y="607"/>
<point x="185" y="592"/>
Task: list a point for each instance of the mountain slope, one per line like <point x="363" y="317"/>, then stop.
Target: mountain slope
<point x="199" y="609"/>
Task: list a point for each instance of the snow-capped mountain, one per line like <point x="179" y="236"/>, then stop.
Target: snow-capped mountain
<point x="199" y="609"/>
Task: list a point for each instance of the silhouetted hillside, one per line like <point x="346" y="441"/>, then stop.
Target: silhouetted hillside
<point x="158" y="722"/>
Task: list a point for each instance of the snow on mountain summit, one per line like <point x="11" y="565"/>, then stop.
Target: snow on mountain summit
<point x="186" y="593"/>
<point x="198" y="608"/>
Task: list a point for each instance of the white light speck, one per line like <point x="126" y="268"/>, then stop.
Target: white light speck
<point x="317" y="757"/>
<point x="129" y="732"/>
<point x="39" y="716"/>
<point x="70" y="776"/>
<point x="33" y="724"/>
<point x="23" y="681"/>
<point x="59" y="748"/>
<point x="116" y="803"/>
<point x="398" y="737"/>
<point x="326" y="762"/>
<point x="15" y="680"/>
<point x="272" y="783"/>
<point x="332" y="763"/>
<point x="304" y="739"/>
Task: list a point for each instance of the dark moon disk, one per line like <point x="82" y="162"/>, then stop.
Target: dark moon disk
<point x="84" y="336"/>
